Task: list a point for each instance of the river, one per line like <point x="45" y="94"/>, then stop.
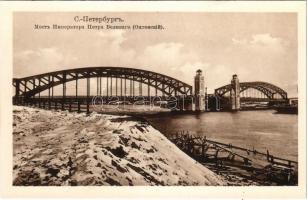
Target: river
<point x="262" y="130"/>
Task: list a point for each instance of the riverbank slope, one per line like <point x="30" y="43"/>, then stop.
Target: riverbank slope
<point x="62" y="148"/>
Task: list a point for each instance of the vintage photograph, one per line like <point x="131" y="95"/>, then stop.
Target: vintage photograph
<point x="155" y="99"/>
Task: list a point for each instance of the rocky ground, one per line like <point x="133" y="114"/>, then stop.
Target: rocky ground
<point x="61" y="148"/>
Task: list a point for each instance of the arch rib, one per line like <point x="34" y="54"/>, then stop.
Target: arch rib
<point x="170" y="86"/>
<point x="267" y="88"/>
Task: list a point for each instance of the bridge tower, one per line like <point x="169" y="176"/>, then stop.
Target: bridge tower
<point x="199" y="85"/>
<point x="235" y="93"/>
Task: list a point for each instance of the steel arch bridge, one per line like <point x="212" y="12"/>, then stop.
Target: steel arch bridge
<point x="35" y="84"/>
<point x="268" y="89"/>
<point x="28" y="89"/>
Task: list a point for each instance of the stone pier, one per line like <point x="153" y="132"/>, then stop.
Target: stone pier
<point x="235" y="93"/>
<point x="199" y="94"/>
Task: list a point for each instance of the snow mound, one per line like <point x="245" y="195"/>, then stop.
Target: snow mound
<point x="62" y="148"/>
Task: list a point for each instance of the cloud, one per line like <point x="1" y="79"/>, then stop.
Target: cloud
<point x="188" y="70"/>
<point x="263" y="57"/>
<point x="262" y="43"/>
<point x="163" y="54"/>
<point x="115" y="37"/>
<point x="37" y="60"/>
<point x="52" y="54"/>
<point x="244" y="56"/>
<point x="239" y="41"/>
<point x="265" y="39"/>
<point x="172" y="58"/>
<point x="108" y="49"/>
<point x="94" y="49"/>
<point x="40" y="54"/>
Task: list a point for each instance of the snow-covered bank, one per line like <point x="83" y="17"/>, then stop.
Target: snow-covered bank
<point x="61" y="148"/>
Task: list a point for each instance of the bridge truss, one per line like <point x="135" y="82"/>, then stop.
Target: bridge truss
<point x="269" y="91"/>
<point x="119" y="77"/>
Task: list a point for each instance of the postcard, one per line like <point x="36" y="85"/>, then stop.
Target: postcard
<point x="151" y="99"/>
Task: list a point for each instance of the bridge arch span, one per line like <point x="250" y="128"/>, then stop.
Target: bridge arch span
<point x="166" y="84"/>
<point x="268" y="89"/>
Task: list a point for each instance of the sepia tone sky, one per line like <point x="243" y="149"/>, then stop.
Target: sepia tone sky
<point x="256" y="46"/>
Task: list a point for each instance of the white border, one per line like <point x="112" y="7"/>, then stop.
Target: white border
<point x="6" y="10"/>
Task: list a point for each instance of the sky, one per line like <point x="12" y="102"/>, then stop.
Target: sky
<point x="255" y="46"/>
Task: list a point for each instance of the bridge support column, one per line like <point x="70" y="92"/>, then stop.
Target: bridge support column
<point x="156" y="88"/>
<point x="116" y="87"/>
<point x="111" y="88"/>
<point x="199" y="84"/>
<point x="64" y="91"/>
<point x="79" y="107"/>
<point x="39" y="94"/>
<point x="17" y="92"/>
<point x="130" y="88"/>
<point x="76" y="87"/>
<point x="148" y="89"/>
<point x="121" y="87"/>
<point x="52" y="88"/>
<point x="97" y="82"/>
<point x="69" y="105"/>
<point x="49" y="102"/>
<point x="100" y="86"/>
<point x="133" y="88"/>
<point x="125" y="83"/>
<point x="140" y="89"/>
<point x="88" y="94"/>
<point x="107" y="88"/>
<point x="25" y="90"/>
<point x="235" y="93"/>
<point x="163" y="89"/>
<point x="185" y="103"/>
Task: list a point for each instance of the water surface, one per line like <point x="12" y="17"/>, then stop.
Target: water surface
<point x="259" y="129"/>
